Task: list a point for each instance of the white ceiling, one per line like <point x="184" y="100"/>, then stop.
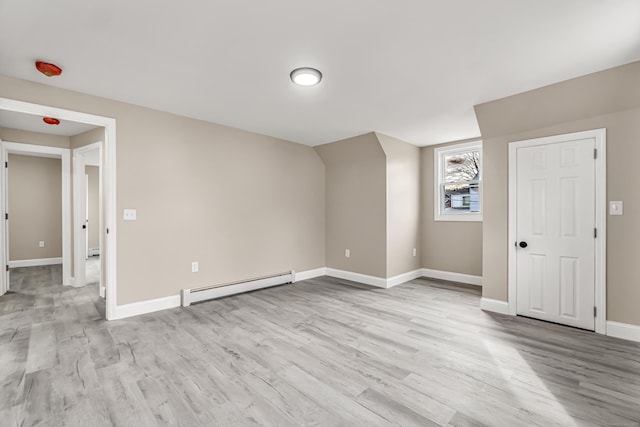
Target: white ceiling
<point x="412" y="69"/>
<point x="33" y="123"/>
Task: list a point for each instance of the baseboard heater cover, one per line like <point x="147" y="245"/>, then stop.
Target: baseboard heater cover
<point x="189" y="296"/>
<point x="94" y="252"/>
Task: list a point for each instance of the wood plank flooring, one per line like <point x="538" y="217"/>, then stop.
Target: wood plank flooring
<point x="323" y="352"/>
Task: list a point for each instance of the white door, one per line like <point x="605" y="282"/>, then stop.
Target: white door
<point x="555" y="232"/>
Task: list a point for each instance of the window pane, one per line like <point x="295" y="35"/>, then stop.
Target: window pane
<point x="462" y="167"/>
<point x="458" y="198"/>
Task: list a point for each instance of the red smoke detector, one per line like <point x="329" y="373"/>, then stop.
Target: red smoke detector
<point x="51" y="121"/>
<point x="47" y="69"/>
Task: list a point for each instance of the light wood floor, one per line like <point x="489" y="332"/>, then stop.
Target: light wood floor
<point x="320" y="352"/>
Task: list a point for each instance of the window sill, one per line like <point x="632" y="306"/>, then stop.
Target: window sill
<point x="459" y="218"/>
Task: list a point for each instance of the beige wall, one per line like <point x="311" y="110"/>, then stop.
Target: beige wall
<point x="86" y="138"/>
<point x="35" y="138"/>
<point x="403" y="205"/>
<point x="240" y="203"/>
<point x="453" y="246"/>
<point x="93" y="201"/>
<point x="608" y="99"/>
<point x="35" y="207"/>
<point x="356" y="205"/>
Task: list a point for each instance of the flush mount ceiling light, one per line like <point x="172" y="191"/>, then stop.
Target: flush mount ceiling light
<point x="51" y="121"/>
<point x="306" y="76"/>
<point x="47" y="69"/>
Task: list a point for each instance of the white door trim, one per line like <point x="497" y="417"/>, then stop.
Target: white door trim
<point x="52" y="152"/>
<point x="109" y="152"/>
<point x="79" y="209"/>
<point x="600" y="136"/>
<point x="78" y="218"/>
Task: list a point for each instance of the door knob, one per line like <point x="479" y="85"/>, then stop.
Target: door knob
<point x="523" y="244"/>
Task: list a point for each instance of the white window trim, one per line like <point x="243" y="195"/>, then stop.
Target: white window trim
<point x="438" y="154"/>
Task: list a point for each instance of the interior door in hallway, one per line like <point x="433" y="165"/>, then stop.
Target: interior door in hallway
<point x="555" y="222"/>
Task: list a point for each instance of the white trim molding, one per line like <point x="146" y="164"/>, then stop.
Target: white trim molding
<point x="35" y="262"/>
<point x="600" y="142"/>
<point x="164" y="303"/>
<point x="452" y="277"/>
<point x="404" y="278"/>
<point x="144" y="307"/>
<point x="623" y="330"/>
<point x="494" y="305"/>
<point x="309" y="274"/>
<point x="378" y="282"/>
<point x="80" y="207"/>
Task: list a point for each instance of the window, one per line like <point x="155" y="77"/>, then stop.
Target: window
<point x="458" y="182"/>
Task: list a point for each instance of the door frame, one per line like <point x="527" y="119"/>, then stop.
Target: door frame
<point x="109" y="185"/>
<point x="600" y="265"/>
<point x="79" y="210"/>
<point x="39" y="151"/>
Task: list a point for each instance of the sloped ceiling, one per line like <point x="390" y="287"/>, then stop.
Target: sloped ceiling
<point x="412" y="69"/>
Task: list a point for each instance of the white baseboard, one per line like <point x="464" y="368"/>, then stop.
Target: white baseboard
<point x="94" y="251"/>
<point x="494" y="305"/>
<point x="404" y="277"/>
<point x="453" y="277"/>
<point x="623" y="330"/>
<point x="34" y="262"/>
<point x="310" y="274"/>
<point x="357" y="277"/>
<point x="144" y="307"/>
<point x="149" y="306"/>
<point x="103" y="292"/>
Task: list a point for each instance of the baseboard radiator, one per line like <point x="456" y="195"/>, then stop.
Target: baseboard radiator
<point x="189" y="296"/>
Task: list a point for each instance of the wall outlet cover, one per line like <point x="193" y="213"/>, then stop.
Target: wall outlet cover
<point x="129" y="215"/>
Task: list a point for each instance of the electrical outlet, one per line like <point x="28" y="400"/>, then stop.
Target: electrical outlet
<point x="129" y="215"/>
<point x="347" y="253"/>
<point x="194" y="267"/>
<point x="415" y="252"/>
<point x="41" y="243"/>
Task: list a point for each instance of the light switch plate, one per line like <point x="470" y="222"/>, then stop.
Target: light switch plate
<point x="129" y="215"/>
<point x="616" y="208"/>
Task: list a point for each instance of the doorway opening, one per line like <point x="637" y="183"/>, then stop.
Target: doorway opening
<point x="88" y="215"/>
<point x="40" y="205"/>
<point x="108" y="230"/>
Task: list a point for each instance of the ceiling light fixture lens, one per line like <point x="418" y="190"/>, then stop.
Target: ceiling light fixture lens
<point x="306" y="76"/>
<point x="48" y="69"/>
<point x="51" y="121"/>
